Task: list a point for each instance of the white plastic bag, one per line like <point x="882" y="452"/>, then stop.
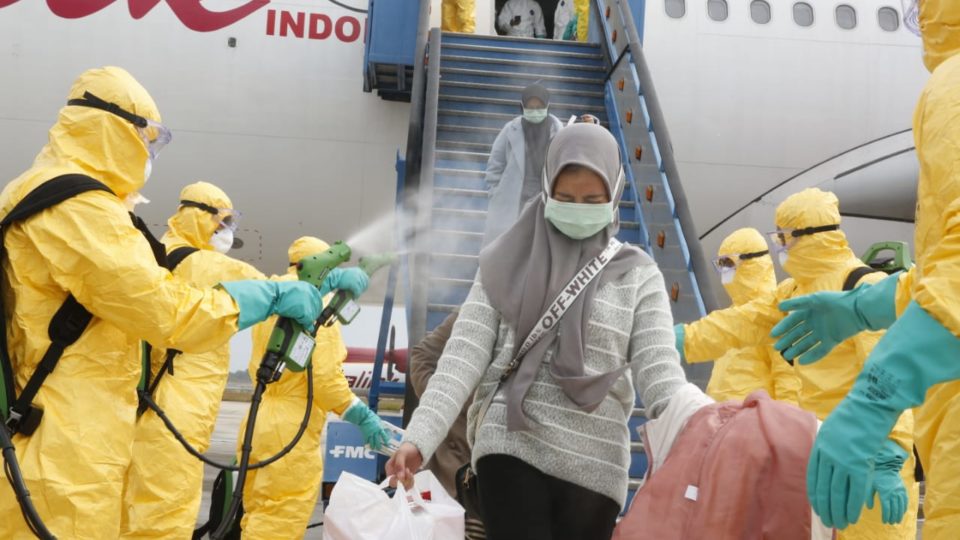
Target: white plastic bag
<point x="360" y="510"/>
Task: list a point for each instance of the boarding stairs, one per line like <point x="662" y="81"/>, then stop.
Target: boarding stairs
<point x="465" y="88"/>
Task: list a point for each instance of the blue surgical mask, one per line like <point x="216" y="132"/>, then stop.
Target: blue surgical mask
<point x="535" y="116"/>
<point x="578" y="220"/>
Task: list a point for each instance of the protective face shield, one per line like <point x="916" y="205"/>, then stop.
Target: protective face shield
<point x="578" y="220"/>
<point x="227" y="218"/>
<point x="535" y="116"/>
<point x="726" y="265"/>
<point x="222" y="240"/>
<point x="784" y="239"/>
<point x="911" y="15"/>
<point x="154" y="135"/>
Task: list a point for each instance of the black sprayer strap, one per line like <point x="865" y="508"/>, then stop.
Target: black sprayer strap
<point x="175" y="257"/>
<point x="65" y="329"/>
<point x="70" y="320"/>
<point x="854" y="277"/>
<point x="156" y="246"/>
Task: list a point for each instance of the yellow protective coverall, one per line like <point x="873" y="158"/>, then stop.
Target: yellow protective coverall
<point x="75" y="462"/>
<point x="583" y="19"/>
<point x="818" y="262"/>
<point x="458" y="16"/>
<point x="279" y="499"/>
<point x="164" y="484"/>
<point x="934" y="283"/>
<point x="741" y="371"/>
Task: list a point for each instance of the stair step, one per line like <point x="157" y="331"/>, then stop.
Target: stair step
<point x="466" y="146"/>
<point x="487" y="120"/>
<point x="448" y="291"/>
<point x="485" y="76"/>
<point x="456" y="241"/>
<point x="454" y="132"/>
<point x="453" y="266"/>
<point x="509" y="106"/>
<point x="490" y="51"/>
<point x="458" y="219"/>
<point x="460" y="155"/>
<point x="497" y="66"/>
<point x="449" y="38"/>
<point x="460" y="199"/>
<point x="513" y="91"/>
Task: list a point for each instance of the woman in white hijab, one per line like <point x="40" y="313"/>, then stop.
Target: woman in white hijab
<point x="548" y="427"/>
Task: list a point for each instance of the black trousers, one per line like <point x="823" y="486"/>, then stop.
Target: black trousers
<point x="521" y="503"/>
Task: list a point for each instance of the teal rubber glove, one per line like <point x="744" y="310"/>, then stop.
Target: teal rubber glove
<point x="896" y="377"/>
<point x="888" y="486"/>
<point x="819" y="322"/>
<point x="353" y="280"/>
<point x="680" y="334"/>
<point x="259" y="299"/>
<point x="374" y="435"/>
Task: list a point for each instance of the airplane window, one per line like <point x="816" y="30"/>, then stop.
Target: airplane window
<point x="846" y="17"/>
<point x="717" y="9"/>
<point x="803" y="14"/>
<point x="760" y="11"/>
<point x="889" y="19"/>
<point x="676" y="8"/>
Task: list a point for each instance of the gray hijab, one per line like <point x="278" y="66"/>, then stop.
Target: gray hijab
<point x="526" y="267"/>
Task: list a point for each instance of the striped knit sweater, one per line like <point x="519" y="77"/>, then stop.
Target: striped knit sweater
<point x="629" y="321"/>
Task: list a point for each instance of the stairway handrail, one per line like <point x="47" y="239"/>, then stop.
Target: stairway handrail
<point x="698" y="263"/>
<point x="417" y="324"/>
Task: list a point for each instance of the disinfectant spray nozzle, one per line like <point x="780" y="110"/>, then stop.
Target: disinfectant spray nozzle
<point x="314" y="268"/>
<point x="372" y="263"/>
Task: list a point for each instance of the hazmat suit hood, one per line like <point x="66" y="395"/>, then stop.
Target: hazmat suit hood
<point x="819" y="254"/>
<point x="94" y="142"/>
<point x="753" y="276"/>
<point x="940" y="28"/>
<point x="192" y="226"/>
<point x="304" y="246"/>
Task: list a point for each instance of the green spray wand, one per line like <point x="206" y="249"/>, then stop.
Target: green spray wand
<point x="290" y="344"/>
<point x="343" y="306"/>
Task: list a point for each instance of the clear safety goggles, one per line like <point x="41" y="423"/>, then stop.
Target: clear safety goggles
<point x="728" y="263"/>
<point x="784" y="239"/>
<point x="154" y="134"/>
<point x="227" y="218"/>
<point x="911" y="15"/>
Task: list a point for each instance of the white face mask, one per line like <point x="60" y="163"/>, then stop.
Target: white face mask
<point x="222" y="240"/>
<point x="782" y="259"/>
<point x="535" y="116"/>
<point x="147" y="170"/>
<point x="134" y="199"/>
<point x="726" y="277"/>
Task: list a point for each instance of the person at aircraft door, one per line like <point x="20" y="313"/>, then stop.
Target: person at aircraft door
<point x="521" y="18"/>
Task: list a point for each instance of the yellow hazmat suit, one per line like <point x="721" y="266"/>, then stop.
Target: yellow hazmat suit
<point x="816" y="262"/>
<point x="741" y="371"/>
<point x="163" y="485"/>
<point x="458" y="16"/>
<point x="279" y="499"/>
<point x="583" y="19"/>
<point x="75" y="462"/>
<point x="934" y="283"/>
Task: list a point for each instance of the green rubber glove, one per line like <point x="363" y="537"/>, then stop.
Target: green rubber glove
<point x="259" y="299"/>
<point x="353" y="280"/>
<point x="374" y="435"/>
<point x="819" y="322"/>
<point x="888" y="486"/>
<point x="896" y="377"/>
<point x="679" y="334"/>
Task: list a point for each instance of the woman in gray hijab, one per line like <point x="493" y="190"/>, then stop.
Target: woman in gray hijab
<point x="548" y="428"/>
<point x="516" y="160"/>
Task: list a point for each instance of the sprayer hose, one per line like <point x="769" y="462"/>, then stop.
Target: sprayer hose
<point x="11" y="468"/>
<point x="229" y="466"/>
